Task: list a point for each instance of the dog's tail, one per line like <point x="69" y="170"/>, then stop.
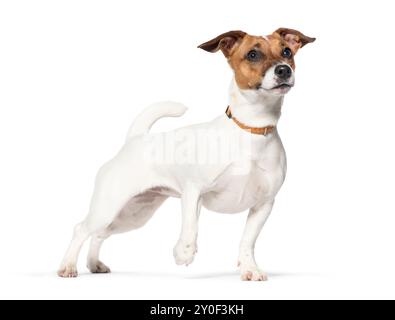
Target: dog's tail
<point x="145" y="120"/>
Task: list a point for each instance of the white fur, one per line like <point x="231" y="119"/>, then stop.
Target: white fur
<point x="131" y="186"/>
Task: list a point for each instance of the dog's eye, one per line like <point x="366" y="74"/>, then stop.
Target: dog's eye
<point x="287" y="53"/>
<point x="254" y="56"/>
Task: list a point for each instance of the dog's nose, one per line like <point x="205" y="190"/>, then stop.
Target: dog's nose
<point x="283" y="71"/>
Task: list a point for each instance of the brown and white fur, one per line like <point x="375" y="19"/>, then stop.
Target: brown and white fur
<point x="129" y="188"/>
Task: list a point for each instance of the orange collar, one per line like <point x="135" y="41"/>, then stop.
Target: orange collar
<point x="261" y="131"/>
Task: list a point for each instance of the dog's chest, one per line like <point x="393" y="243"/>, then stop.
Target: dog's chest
<point x="241" y="186"/>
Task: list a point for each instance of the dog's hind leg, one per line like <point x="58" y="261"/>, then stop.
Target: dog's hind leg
<point x="68" y="268"/>
<point x="94" y="264"/>
<point x="133" y="215"/>
<point x="117" y="206"/>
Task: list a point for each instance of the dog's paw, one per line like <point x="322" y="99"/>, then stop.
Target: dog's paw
<point x="98" y="267"/>
<point x="184" y="253"/>
<point x="252" y="273"/>
<point x="68" y="272"/>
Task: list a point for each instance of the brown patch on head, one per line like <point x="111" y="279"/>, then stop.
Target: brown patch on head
<point x="251" y="56"/>
<point x="249" y="72"/>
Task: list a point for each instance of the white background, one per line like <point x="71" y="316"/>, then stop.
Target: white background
<point x="74" y="74"/>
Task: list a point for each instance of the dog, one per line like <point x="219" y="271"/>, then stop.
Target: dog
<point x="131" y="187"/>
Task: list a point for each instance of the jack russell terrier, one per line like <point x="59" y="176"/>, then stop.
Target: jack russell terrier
<point x="132" y="186"/>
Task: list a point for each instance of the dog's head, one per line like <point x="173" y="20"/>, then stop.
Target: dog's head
<point x="264" y="64"/>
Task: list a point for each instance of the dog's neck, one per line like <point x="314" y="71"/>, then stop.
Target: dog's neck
<point x="254" y="108"/>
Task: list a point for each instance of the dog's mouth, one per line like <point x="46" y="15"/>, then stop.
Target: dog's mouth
<point x="282" y="86"/>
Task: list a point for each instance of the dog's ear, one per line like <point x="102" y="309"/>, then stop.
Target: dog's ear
<point x="294" y="38"/>
<point x="224" y="42"/>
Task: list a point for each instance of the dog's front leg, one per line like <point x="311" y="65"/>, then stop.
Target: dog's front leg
<point x="255" y="221"/>
<point x="186" y="247"/>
